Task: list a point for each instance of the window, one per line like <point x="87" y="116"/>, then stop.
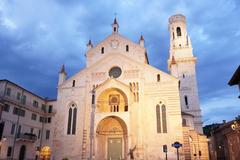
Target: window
<point x="31" y="130"/>
<point x="164" y="119"/>
<point x="6" y="108"/>
<point x="102" y="50"/>
<point x="73" y="83"/>
<point x="9" y="151"/>
<point x="18" y="95"/>
<point x="115" y="72"/>
<point x="158" y="119"/>
<point x="183" y="75"/>
<point x="69" y="120"/>
<point x="13" y="129"/>
<point x="49" y="120"/>
<point x="34" y="117"/>
<point x="126" y="108"/>
<point x="35" y="103"/>
<point x="127" y="48"/>
<point x="186" y="100"/>
<point x="114" y="29"/>
<point x="18" y="111"/>
<point x="24" y="98"/>
<point x="179" y="31"/>
<point x="8" y="92"/>
<point x="72" y="119"/>
<point x="161" y="118"/>
<point x="43" y="108"/>
<point x="93" y="99"/>
<point x="158" y="78"/>
<point x="39" y="133"/>
<point x="173" y="35"/>
<point x="50" y="108"/>
<point x="41" y="119"/>
<point x="47" y="134"/>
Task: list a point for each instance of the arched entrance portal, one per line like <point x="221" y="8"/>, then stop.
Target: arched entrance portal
<point x="22" y="152"/>
<point x="111" y="139"/>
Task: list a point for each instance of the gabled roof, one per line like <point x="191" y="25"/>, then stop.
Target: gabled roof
<point x="109" y="37"/>
<point x="107" y="58"/>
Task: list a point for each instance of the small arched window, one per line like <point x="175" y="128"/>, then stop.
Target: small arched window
<point x="102" y="50"/>
<point x="173" y="35"/>
<point x="179" y="31"/>
<point x="73" y="83"/>
<point x="114" y="29"/>
<point x="127" y="48"/>
<point x="72" y="120"/>
<point x="158" y="78"/>
<point x="183" y="75"/>
<point x="186" y="101"/>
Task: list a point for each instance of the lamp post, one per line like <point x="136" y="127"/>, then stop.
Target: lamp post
<point x="92" y="124"/>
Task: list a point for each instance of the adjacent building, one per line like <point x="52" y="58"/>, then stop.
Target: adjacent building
<point x="26" y="120"/>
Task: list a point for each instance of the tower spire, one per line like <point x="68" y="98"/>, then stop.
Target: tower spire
<point x="115" y="25"/>
<point x="141" y="41"/>
<point x="62" y="70"/>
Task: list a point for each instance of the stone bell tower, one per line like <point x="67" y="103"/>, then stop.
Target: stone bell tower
<point x="181" y="64"/>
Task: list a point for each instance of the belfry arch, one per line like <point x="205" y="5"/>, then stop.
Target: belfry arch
<point x="111" y="140"/>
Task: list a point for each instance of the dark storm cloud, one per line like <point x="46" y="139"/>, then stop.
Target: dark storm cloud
<point x="37" y="37"/>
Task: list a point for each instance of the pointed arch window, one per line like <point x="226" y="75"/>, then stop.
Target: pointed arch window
<point x="158" y="118"/>
<point x="164" y="119"/>
<point x="73" y="83"/>
<point x="186" y="100"/>
<point x="161" y="118"/>
<point x="72" y="120"/>
<point x="179" y="33"/>
<point x="158" y="77"/>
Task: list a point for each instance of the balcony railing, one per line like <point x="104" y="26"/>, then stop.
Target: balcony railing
<point x="26" y="137"/>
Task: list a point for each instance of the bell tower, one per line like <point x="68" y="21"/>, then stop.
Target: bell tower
<point x="181" y="64"/>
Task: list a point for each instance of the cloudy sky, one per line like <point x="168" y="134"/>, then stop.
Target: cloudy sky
<point x="38" y="36"/>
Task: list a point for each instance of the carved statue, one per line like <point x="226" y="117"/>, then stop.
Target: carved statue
<point x="131" y="152"/>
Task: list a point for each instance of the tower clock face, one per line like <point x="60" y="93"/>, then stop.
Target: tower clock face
<point x="115" y="72"/>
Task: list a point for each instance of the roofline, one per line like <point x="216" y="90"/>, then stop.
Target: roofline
<point x="5" y="80"/>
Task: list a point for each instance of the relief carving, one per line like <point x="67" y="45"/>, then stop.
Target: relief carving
<point x="98" y="76"/>
<point x="131" y="73"/>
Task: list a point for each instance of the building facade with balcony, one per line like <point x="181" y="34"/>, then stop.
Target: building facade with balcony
<point x="120" y="107"/>
<point x="26" y="119"/>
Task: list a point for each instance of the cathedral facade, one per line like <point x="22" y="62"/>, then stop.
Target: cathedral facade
<point x="120" y="107"/>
